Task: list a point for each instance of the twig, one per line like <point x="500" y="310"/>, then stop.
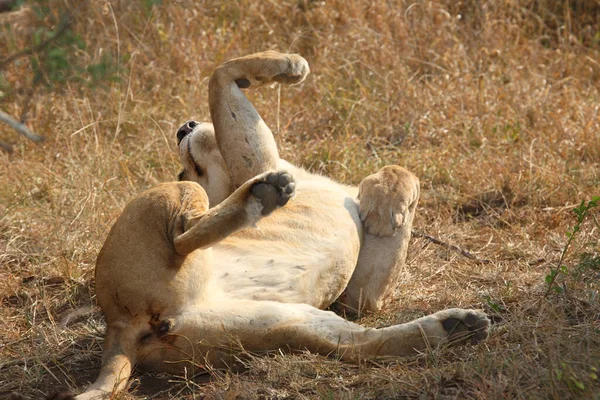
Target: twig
<point x="6" y="147"/>
<point x="449" y="246"/>
<point x="64" y="24"/>
<point x="22" y="129"/>
<point x="7" y="5"/>
<point x="34" y="86"/>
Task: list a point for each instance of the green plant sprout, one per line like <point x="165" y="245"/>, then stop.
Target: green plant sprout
<point x="582" y="212"/>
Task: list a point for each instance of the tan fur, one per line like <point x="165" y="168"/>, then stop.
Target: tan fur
<point x="182" y="284"/>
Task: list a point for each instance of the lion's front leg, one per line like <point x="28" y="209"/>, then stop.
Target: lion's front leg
<point x="388" y="200"/>
<point x="244" y="139"/>
<point x="254" y="199"/>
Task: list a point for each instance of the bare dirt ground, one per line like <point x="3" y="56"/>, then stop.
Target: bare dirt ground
<point x="493" y="104"/>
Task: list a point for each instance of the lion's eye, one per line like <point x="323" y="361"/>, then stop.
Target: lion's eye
<point x="198" y="170"/>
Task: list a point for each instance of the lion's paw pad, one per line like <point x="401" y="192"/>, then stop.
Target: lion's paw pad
<point x="464" y="325"/>
<point x="273" y="190"/>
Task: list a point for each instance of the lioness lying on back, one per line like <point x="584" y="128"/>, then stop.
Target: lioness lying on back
<point x="256" y="251"/>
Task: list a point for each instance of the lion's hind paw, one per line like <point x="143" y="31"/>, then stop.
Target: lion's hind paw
<point x="464" y="325"/>
<point x="387" y="200"/>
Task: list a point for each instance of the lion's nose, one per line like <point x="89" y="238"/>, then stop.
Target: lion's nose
<point x="185" y="130"/>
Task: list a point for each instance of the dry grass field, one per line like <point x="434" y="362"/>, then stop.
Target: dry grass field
<point x="495" y="105"/>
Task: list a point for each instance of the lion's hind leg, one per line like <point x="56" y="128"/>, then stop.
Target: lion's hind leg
<point x="244" y="139"/>
<point x="257" y="326"/>
<point x="388" y="200"/>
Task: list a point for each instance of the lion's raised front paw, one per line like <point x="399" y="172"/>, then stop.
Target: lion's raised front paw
<point x="296" y="70"/>
<point x="387" y="200"/>
<point x="273" y="189"/>
<point x="270" y="66"/>
<point x="464" y="325"/>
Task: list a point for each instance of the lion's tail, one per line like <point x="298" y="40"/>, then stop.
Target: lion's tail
<point x="118" y="360"/>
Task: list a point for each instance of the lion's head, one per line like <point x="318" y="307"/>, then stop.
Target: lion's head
<point x="202" y="160"/>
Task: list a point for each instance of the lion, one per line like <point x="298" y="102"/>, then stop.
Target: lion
<point x="245" y="251"/>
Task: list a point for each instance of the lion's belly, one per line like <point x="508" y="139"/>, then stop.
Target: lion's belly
<point x="304" y="252"/>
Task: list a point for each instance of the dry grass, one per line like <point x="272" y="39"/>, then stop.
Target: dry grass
<point x="493" y="104"/>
